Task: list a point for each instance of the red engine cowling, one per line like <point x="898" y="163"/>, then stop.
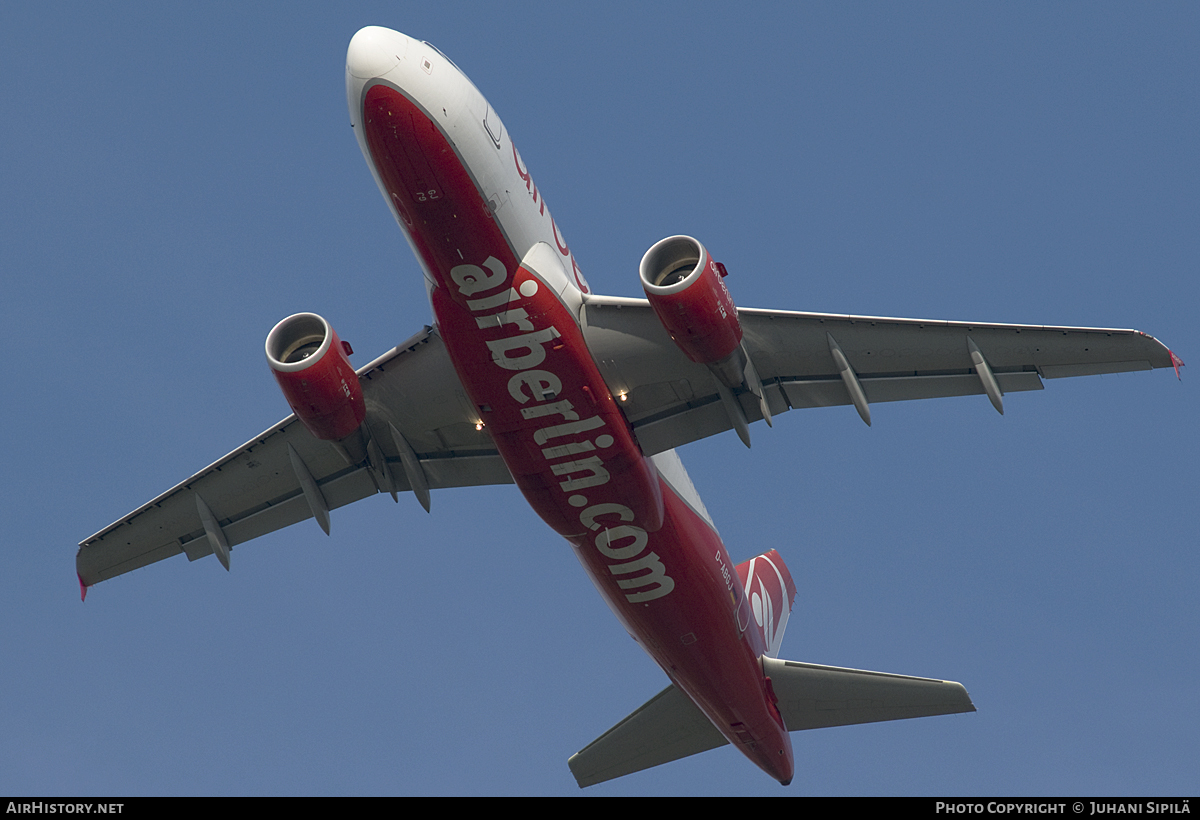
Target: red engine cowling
<point x="687" y="291"/>
<point x="311" y="365"/>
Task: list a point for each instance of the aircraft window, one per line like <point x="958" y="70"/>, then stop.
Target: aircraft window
<point x="444" y="57"/>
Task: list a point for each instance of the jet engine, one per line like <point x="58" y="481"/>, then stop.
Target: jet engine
<point x="686" y="288"/>
<point x="312" y="367"/>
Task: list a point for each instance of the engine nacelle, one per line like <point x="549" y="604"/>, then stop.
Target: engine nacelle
<point x="687" y="291"/>
<point x="312" y="367"/>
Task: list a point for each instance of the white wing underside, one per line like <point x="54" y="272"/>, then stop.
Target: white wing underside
<point x="255" y="490"/>
<point x="671" y="400"/>
<point x="668" y="400"/>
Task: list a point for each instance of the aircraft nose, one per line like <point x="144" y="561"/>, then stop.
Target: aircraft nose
<point x="374" y="51"/>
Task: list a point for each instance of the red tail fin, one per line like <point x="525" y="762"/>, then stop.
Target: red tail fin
<point x="770" y="590"/>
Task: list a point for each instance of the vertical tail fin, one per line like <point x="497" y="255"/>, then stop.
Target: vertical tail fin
<point x="770" y="592"/>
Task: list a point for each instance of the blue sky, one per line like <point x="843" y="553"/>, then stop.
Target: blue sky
<point x="176" y="181"/>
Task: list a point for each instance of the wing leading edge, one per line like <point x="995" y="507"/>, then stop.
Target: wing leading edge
<point x="260" y="486"/>
<point x="671" y="400"/>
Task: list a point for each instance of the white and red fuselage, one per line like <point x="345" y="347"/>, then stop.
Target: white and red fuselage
<point x="507" y="294"/>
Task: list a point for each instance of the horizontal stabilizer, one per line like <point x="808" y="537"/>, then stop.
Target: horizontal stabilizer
<point x="665" y="728"/>
<point x="669" y="726"/>
<point x="813" y="697"/>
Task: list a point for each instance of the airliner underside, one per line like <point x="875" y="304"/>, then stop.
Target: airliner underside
<point x="527" y="377"/>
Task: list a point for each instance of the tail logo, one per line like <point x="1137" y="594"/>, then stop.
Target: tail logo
<point x="766" y="590"/>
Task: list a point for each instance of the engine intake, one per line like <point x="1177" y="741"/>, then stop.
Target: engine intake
<point x="687" y="291"/>
<point x="312" y="367"/>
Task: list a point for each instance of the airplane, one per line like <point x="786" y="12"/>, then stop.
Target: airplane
<point x="526" y="376"/>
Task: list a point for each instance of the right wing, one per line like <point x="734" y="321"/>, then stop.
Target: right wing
<point x="257" y="488"/>
<point x="671" y="400"/>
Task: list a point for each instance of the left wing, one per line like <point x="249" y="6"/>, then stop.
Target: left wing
<point x="671" y="400"/>
<point x="260" y="486"/>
